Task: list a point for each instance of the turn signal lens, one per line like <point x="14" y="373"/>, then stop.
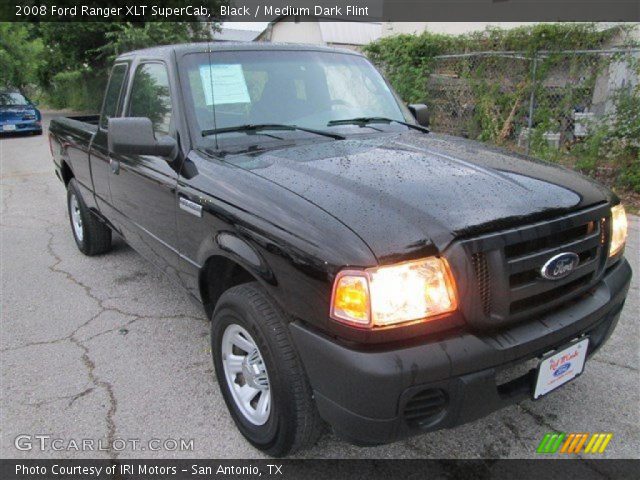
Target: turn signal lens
<point x="351" y="298"/>
<point x="394" y="294"/>
<point x="618" y="229"/>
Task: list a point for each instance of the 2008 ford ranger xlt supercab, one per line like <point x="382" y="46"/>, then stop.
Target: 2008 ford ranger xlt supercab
<point x="358" y="270"/>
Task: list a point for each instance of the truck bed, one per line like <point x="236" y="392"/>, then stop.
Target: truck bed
<point x="74" y="135"/>
<point x="92" y="119"/>
<point x="76" y="123"/>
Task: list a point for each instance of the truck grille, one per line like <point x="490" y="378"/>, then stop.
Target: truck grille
<point x="483" y="280"/>
<point x="528" y="291"/>
<point x="508" y="285"/>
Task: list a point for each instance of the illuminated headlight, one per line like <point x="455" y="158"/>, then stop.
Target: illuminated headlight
<point x="618" y="229"/>
<point x="395" y="294"/>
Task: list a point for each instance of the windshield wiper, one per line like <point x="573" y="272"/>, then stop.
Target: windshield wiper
<point x="249" y="128"/>
<point x="366" y="120"/>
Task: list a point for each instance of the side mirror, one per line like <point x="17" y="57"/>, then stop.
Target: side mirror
<point x="134" y="136"/>
<point x="421" y="113"/>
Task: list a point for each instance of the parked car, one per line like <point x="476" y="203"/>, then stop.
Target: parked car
<point x="358" y="270"/>
<point x="18" y="114"/>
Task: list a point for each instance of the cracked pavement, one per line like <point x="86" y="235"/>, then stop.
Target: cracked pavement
<point x="107" y="348"/>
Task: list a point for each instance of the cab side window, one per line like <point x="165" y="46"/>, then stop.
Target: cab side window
<point x="151" y="96"/>
<point x="112" y="95"/>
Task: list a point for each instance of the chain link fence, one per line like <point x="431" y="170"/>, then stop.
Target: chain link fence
<point x="544" y="103"/>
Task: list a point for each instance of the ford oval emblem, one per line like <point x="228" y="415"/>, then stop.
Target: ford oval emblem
<point x="562" y="369"/>
<point x="559" y="266"/>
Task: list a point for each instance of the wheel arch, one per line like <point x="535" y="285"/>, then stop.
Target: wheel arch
<point x="233" y="263"/>
<point x="66" y="172"/>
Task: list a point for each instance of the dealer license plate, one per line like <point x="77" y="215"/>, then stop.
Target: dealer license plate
<point x="8" y="128"/>
<point x="560" y="367"/>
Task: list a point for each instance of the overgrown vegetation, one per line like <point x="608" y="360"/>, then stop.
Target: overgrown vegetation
<point x="75" y="73"/>
<point x="66" y="64"/>
<point x="613" y="148"/>
<point x="20" y="57"/>
<point x="408" y="59"/>
<point x="481" y="85"/>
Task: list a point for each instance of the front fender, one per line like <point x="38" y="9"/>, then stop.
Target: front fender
<point x="292" y="247"/>
<point x="231" y="246"/>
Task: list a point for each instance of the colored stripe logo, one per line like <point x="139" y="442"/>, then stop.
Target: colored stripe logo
<point x="573" y="443"/>
<point x="550" y="443"/>
<point x="598" y="443"/>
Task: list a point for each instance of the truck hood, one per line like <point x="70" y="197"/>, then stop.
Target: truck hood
<point x="411" y="194"/>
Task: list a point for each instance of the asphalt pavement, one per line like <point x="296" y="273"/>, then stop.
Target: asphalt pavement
<point x="107" y="350"/>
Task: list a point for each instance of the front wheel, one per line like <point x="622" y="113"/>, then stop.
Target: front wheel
<point x="260" y="373"/>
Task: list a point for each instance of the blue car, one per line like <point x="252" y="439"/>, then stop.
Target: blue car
<point x="18" y="114"/>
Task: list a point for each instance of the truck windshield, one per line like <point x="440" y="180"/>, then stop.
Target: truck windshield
<point x="310" y="89"/>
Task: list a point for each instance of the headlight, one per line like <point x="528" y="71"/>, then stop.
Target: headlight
<point x="618" y="229"/>
<point x="395" y="294"/>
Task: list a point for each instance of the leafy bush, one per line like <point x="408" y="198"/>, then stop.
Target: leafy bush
<point x="407" y="60"/>
<point x="615" y="140"/>
<point x="78" y="55"/>
<point x="20" y="55"/>
<point x="630" y="175"/>
<point x="78" y="90"/>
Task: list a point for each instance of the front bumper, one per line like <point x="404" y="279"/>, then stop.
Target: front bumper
<point x="374" y="397"/>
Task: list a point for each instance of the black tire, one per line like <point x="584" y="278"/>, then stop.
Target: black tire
<point x="294" y="422"/>
<point x="96" y="236"/>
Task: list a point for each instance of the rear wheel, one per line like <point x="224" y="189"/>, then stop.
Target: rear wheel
<point x="260" y="373"/>
<point x="91" y="235"/>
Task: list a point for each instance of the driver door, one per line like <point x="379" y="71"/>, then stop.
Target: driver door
<point x="143" y="187"/>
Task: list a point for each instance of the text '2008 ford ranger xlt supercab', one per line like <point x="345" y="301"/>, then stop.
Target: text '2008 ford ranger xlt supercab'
<point x="358" y="270"/>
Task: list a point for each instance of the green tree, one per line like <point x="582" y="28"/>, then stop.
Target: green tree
<point x="20" y="56"/>
<point x="92" y="46"/>
<point x="80" y="54"/>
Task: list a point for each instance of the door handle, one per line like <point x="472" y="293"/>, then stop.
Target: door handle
<point x="114" y="165"/>
<point x="189" y="206"/>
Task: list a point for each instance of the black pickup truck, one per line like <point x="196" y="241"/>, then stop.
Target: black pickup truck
<point x="358" y="270"/>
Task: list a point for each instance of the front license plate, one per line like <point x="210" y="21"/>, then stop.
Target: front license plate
<point x="8" y="128"/>
<point x="560" y="367"/>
